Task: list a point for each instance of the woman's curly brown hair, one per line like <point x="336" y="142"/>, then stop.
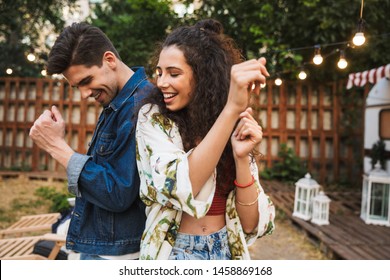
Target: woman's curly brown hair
<point x="211" y="54"/>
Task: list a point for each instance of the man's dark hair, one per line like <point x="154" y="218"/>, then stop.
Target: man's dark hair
<point x="79" y="44"/>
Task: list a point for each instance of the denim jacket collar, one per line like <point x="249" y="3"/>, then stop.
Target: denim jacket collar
<point x="130" y="86"/>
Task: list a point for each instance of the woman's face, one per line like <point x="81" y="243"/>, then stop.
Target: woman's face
<point x="174" y="78"/>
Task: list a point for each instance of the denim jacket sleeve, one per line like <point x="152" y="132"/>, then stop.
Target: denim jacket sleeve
<point x="76" y="164"/>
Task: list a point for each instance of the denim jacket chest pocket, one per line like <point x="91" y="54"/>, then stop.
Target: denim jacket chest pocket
<point x="105" y="144"/>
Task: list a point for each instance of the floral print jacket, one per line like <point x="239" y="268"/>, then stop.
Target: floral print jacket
<point x="166" y="190"/>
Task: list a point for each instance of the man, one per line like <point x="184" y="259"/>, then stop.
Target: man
<point x="109" y="217"/>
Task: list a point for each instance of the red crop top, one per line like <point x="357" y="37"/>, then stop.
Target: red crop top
<point x="218" y="205"/>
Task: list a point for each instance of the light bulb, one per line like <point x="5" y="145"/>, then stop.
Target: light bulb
<point x="358" y="39"/>
<point x="302" y="75"/>
<point x="9" y="71"/>
<point x="31" y="57"/>
<point x="263" y="85"/>
<point x="278" y="81"/>
<point x="43" y="72"/>
<point x="317" y="59"/>
<point x="342" y="64"/>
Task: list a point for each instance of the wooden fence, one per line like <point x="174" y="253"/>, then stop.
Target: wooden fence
<point x="22" y="100"/>
<point x="309" y="118"/>
<point x="323" y="126"/>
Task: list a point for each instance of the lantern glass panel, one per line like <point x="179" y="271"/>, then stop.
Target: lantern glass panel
<point x="301" y="206"/>
<point x="379" y="203"/>
<point x="316" y="210"/>
<point x="302" y="194"/>
<point x="363" y="212"/>
<point x="311" y="195"/>
<point x="302" y="200"/>
<point x="324" y="212"/>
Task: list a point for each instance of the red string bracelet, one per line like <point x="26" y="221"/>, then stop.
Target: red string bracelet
<point x="244" y="186"/>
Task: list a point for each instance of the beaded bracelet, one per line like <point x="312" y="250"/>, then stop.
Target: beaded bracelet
<point x="244" y="186"/>
<point x="250" y="203"/>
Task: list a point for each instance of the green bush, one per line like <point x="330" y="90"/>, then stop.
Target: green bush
<point x="58" y="200"/>
<point x="288" y="169"/>
<point x="378" y="153"/>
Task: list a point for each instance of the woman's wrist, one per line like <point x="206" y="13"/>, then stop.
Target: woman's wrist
<point x="244" y="185"/>
<point x="232" y="110"/>
<point x="241" y="160"/>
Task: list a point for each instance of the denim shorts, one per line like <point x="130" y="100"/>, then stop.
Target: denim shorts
<point x="201" y="247"/>
<point x="85" y="256"/>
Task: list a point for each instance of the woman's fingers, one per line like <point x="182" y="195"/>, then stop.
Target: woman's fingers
<point x="248" y="128"/>
<point x="246" y="114"/>
<point x="250" y="72"/>
<point x="263" y="61"/>
<point x="246" y="78"/>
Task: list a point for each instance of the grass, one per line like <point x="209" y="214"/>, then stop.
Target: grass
<point x="19" y="197"/>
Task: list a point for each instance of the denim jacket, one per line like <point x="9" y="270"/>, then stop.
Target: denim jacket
<point x="109" y="217"/>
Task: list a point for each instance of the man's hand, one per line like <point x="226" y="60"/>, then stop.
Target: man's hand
<point x="48" y="132"/>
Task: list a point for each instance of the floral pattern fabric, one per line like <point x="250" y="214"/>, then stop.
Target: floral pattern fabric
<point x="166" y="190"/>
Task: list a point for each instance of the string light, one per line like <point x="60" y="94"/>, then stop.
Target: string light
<point x="317" y="59"/>
<point x="342" y="63"/>
<point x="302" y="75"/>
<point x="31" y="57"/>
<point x="344" y="45"/>
<point x="9" y="71"/>
<point x="359" y="38"/>
<point x="278" y="81"/>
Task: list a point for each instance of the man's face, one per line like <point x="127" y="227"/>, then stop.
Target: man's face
<point x="97" y="82"/>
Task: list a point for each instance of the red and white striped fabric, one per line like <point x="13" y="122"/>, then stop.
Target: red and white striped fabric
<point x="372" y="76"/>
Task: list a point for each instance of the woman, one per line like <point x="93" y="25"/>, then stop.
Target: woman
<point x="203" y="196"/>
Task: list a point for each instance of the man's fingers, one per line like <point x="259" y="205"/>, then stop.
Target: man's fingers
<point x="56" y="114"/>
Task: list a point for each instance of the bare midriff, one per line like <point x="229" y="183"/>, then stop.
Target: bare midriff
<point x="203" y="226"/>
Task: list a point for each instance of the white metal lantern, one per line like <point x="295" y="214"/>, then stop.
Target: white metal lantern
<point x="320" y="209"/>
<point x="375" y="208"/>
<point x="305" y="189"/>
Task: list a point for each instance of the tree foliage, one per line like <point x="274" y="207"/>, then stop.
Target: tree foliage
<point x="271" y="28"/>
<point x="21" y="25"/>
<point x="134" y="26"/>
<point x="284" y="31"/>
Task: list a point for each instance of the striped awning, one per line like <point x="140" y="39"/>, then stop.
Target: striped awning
<point x="372" y="76"/>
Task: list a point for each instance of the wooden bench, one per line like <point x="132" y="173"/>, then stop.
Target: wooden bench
<point x="21" y="248"/>
<point x="30" y="224"/>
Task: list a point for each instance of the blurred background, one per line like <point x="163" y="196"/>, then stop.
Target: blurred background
<point x="325" y="110"/>
<point x="287" y="32"/>
<point x="311" y="120"/>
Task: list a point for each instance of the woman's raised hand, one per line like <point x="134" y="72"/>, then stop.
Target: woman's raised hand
<point x="246" y="78"/>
